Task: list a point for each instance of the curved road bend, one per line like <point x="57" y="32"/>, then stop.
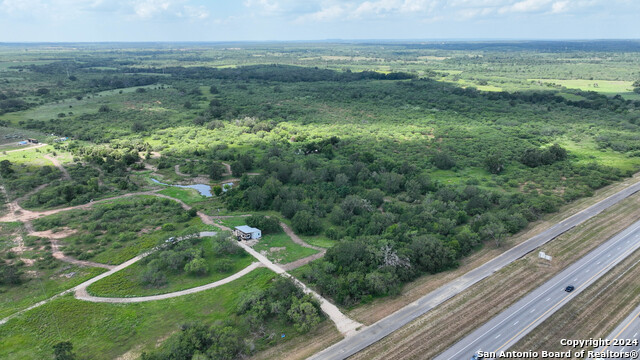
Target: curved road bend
<point x="81" y="288"/>
<point x="512" y="324"/>
<point x="344" y="324"/>
<point x="395" y="321"/>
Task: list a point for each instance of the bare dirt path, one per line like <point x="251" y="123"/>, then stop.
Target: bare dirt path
<point x="27" y="148"/>
<point x="25" y="196"/>
<point x="344" y="324"/>
<point x="17" y="213"/>
<point x="54" y="238"/>
<point x="56" y="163"/>
<point x="81" y="293"/>
<point x="296" y="239"/>
<point x="304" y="261"/>
<point x="228" y="167"/>
<point x="177" y="170"/>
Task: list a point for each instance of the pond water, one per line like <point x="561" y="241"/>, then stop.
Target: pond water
<point x="203" y="189"/>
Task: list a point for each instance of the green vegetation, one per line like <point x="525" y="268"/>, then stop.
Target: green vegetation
<point x="24" y="171"/>
<point x="28" y="272"/>
<point x="280" y="248"/>
<point x="283" y="302"/>
<point x="188" y="196"/>
<point x="608" y="87"/>
<point x="232" y="222"/>
<point x="114" y="328"/>
<point x="166" y="270"/>
<point x="401" y="161"/>
<point x="116" y="231"/>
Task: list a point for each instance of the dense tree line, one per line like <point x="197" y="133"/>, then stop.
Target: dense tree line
<point x="280" y="73"/>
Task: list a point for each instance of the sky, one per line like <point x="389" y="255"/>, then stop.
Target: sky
<point x="283" y="20"/>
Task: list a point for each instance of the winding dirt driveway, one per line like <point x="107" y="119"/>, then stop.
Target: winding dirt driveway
<point x="56" y="163"/>
<point x="344" y="324"/>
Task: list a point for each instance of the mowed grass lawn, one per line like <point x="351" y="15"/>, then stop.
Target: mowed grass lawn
<point x="269" y="244"/>
<point x="127" y="283"/>
<point x="107" y="331"/>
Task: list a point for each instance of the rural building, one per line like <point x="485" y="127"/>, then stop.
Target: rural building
<point x="245" y="232"/>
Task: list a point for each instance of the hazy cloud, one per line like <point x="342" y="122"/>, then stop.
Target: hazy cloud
<point x="307" y="19"/>
<point x="140" y="9"/>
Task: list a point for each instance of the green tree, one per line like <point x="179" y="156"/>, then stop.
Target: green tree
<point x="494" y="163"/>
<point x="494" y="230"/>
<point x="63" y="351"/>
<point x="303" y="314"/>
<point x="197" y="266"/>
<point x="5" y="167"/>
<point x="306" y="223"/>
<point x="444" y="161"/>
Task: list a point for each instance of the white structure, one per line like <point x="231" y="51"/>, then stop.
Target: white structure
<point x="542" y="255"/>
<point x="245" y="232"/>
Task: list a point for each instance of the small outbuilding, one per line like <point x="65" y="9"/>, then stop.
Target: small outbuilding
<point x="245" y="232"/>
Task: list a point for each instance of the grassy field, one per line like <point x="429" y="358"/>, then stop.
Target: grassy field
<point x="587" y="152"/>
<point x="606" y="87"/>
<point x="113" y="329"/>
<point x="188" y="196"/>
<point x="318" y="240"/>
<point x="85" y="105"/>
<point x="281" y="249"/>
<point x="44" y="284"/>
<point x="232" y="222"/>
<point x="127" y="283"/>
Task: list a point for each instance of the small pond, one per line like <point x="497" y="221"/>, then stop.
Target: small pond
<point x="203" y="189"/>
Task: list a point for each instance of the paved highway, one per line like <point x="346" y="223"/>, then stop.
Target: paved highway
<point x="371" y="334"/>
<point x="627" y="332"/>
<point x="504" y="330"/>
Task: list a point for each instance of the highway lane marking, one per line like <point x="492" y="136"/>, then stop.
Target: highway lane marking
<point x="516" y="323"/>
<point x="498" y="336"/>
<point x="548" y="299"/>
<point x="563" y="299"/>
<point x="532" y="311"/>
<point x="636" y="334"/>
<point x="621" y="235"/>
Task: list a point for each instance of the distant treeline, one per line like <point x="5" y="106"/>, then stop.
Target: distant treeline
<point x="544" y="46"/>
<point x="281" y="73"/>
